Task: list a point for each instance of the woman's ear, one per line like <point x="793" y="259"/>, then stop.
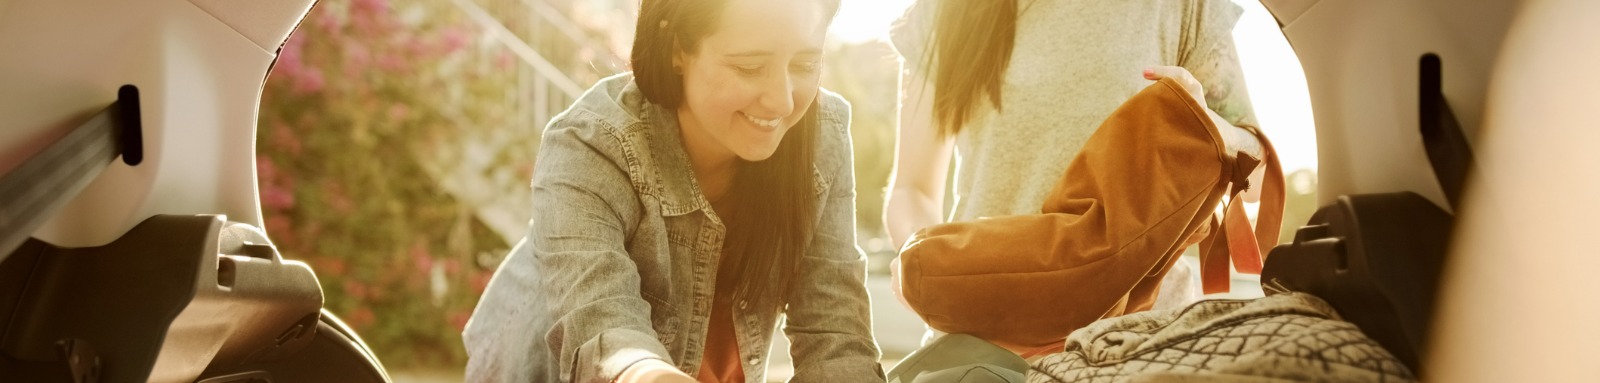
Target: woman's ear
<point x="679" y="60"/>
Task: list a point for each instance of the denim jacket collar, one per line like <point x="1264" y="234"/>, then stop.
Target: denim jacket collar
<point x="676" y="185"/>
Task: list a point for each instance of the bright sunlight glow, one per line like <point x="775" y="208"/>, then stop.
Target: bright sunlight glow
<point x="866" y="20"/>
<point x="1277" y="84"/>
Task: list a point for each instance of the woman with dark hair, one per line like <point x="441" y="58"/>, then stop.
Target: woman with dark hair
<point x="684" y="208"/>
<point x="1015" y="88"/>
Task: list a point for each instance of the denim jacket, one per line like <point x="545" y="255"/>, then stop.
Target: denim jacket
<point x="618" y="263"/>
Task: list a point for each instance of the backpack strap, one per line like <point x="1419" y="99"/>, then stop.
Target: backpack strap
<point x="1245" y="245"/>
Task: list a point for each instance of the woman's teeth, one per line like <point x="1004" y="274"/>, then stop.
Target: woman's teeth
<point x="773" y="123"/>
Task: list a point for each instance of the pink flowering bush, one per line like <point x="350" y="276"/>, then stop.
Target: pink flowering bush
<point x="357" y="104"/>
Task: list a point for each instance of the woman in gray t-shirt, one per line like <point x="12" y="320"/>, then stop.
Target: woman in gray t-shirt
<point x="1015" y="87"/>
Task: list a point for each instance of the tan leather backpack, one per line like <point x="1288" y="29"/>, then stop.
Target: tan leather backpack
<point x="1146" y="185"/>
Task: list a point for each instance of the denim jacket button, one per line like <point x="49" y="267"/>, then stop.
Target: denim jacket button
<point x="755" y="361"/>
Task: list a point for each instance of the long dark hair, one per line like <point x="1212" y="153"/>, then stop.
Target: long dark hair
<point x="774" y="200"/>
<point x="972" y="41"/>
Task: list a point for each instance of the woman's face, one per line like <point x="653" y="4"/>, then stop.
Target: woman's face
<point x="752" y="78"/>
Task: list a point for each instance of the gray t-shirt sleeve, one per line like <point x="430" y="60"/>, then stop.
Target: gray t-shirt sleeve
<point x="1208" y="52"/>
<point x="912" y="34"/>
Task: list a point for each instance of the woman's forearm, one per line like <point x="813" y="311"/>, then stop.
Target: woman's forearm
<point x="922" y="162"/>
<point x="1240" y="139"/>
<point x="1237" y="138"/>
<point x="907" y="210"/>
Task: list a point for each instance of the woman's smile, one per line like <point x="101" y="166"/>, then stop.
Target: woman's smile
<point x="766" y="125"/>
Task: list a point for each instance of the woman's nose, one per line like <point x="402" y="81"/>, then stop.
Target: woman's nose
<point x="777" y="95"/>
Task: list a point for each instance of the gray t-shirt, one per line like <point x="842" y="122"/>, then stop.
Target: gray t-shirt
<point x="1074" y="62"/>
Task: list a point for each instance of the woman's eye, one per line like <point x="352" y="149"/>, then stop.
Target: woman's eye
<point x="807" y="67"/>
<point x="748" y="70"/>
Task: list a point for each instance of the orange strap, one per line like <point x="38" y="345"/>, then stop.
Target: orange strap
<point x="1242" y="239"/>
<point x="1238" y="241"/>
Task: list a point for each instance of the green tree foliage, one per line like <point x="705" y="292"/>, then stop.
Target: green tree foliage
<point x="360" y="98"/>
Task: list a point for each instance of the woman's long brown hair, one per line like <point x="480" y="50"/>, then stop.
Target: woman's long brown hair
<point x="972" y="41"/>
<point x="774" y="200"/>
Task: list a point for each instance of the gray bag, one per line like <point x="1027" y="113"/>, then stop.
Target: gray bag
<point x="959" y="358"/>
<point x="1283" y="337"/>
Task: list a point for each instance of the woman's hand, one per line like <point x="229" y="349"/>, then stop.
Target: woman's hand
<point x="894" y="283"/>
<point x="1183" y="77"/>
<point x="653" y="371"/>
<point x="1236" y="138"/>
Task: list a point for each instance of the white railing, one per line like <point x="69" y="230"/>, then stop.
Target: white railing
<point x="547" y="71"/>
<point x="555" y="60"/>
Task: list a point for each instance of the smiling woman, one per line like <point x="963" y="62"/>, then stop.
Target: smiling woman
<point x="682" y="209"/>
<point x="735" y="97"/>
